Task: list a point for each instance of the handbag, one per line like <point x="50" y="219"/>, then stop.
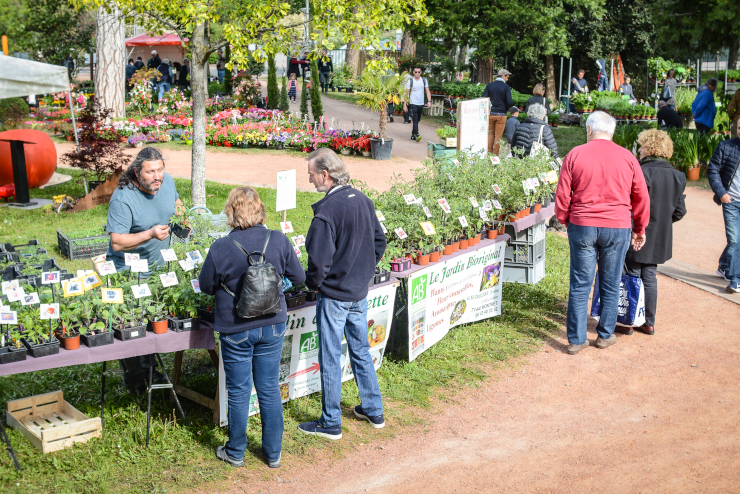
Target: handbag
<point x="260" y="294"/>
<point x="631" y="306"/>
<point x="537" y="146"/>
<point x="666" y="94"/>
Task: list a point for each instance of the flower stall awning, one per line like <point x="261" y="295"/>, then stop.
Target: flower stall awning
<point x="162" y="40"/>
<point x="20" y="77"/>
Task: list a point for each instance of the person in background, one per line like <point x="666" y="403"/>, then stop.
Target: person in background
<point x="130" y="70"/>
<point x="154" y="60"/>
<point x="292" y="87"/>
<point x="250" y="348"/>
<point x="724" y="179"/>
<point x="344" y="242"/>
<point x="166" y="79"/>
<point x="670" y="83"/>
<point x="703" y="108"/>
<point x="602" y="84"/>
<point x="326" y="70"/>
<point x="415" y="88"/>
<point x="530" y="130"/>
<point x="221" y="66"/>
<point x="511" y="124"/>
<point x="733" y="111"/>
<point x="603" y="200"/>
<point x="499" y="93"/>
<point x="626" y="88"/>
<point x="667" y="118"/>
<point x="578" y="84"/>
<point x="665" y="187"/>
<point x="294" y="65"/>
<point x="538" y="98"/>
<point x="138" y="63"/>
<point x="183" y="74"/>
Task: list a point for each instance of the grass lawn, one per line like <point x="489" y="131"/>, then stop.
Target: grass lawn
<point x="182" y="457"/>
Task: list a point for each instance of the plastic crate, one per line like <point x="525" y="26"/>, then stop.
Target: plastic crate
<point x="525" y="253"/>
<point x="531" y="235"/>
<point x="82" y="248"/>
<point x="524" y="273"/>
<point x="440" y="151"/>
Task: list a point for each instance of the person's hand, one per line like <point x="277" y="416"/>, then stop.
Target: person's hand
<point x="429" y="104"/>
<point x="160" y="232"/>
<point x="638" y="240"/>
<point x="404" y="107"/>
<point x="726" y="199"/>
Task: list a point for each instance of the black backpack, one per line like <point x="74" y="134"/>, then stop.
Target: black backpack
<point x="260" y="293"/>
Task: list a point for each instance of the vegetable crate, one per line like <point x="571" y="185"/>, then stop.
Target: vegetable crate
<point x="524" y="273"/>
<point x="82" y="248"/>
<point x="50" y="423"/>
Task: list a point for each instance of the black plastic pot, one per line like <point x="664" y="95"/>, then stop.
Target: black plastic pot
<point x="96" y="340"/>
<point x="206" y="315"/>
<point x="134" y="333"/>
<point x="180" y="324"/>
<point x="10" y="354"/>
<point x="311" y="296"/>
<point x="295" y="301"/>
<point x="180" y="231"/>
<point x="381" y="149"/>
<point x="42" y="349"/>
<point x="382" y="277"/>
<point x="531" y="209"/>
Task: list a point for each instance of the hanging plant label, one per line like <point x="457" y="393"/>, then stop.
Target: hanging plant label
<point x="428" y="228"/>
<point x="473" y="201"/>
<point x="535" y="182"/>
<point x="286" y="226"/>
<point x="30" y="299"/>
<point x="379" y="215"/>
<point x="495" y="160"/>
<point x="168" y="279"/>
<point x="8" y="317"/>
<point x="186" y="265"/>
<point x="196" y="285"/>
<point x="196" y="257"/>
<point x="49" y="277"/>
<point x="483" y="214"/>
<point x="444" y="205"/>
<point x="427" y="212"/>
<point x="106" y="268"/>
<point x="169" y="255"/>
<point x="15" y="294"/>
<point x="496" y="189"/>
<point x="497" y="204"/>
<point x="140" y="266"/>
<point x="141" y="290"/>
<point x="401" y="234"/>
<point x="463" y="221"/>
<point x="487" y="205"/>
<point x="409" y="198"/>
<point x="129" y="258"/>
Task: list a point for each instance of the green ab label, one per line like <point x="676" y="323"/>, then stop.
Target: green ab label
<point x="309" y="342"/>
<point x="418" y="289"/>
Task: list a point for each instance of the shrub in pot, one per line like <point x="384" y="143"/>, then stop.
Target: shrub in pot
<point x="376" y="90"/>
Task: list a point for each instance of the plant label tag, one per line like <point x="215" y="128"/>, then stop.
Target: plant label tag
<point x="286" y="226"/>
<point x="419" y="200"/>
<point x="129" y="258"/>
<point x="487" y="205"/>
<point x="140" y="266"/>
<point x="409" y="198"/>
<point x="542" y="177"/>
<point x="495" y="160"/>
<point x="385" y="230"/>
<point x="483" y="214"/>
<point x="473" y="201"/>
<point x="552" y="177"/>
<point x="81" y="273"/>
<point x="15" y="294"/>
<point x="30" y="298"/>
<point x="208" y="249"/>
<point x="91" y="281"/>
<point x="299" y="240"/>
<point x="559" y="162"/>
<point x="7" y="285"/>
<point x="401" y="234"/>
<point x="99" y="259"/>
<point x="168" y="279"/>
<point x="169" y="255"/>
<point x="449" y="175"/>
<point x="8" y="317"/>
<point x="297" y="252"/>
<point x="49" y="311"/>
<point x="196" y="285"/>
<point x="535" y="182"/>
<point x="428" y="228"/>
<point x="525" y="186"/>
<point x="141" y="290"/>
<point x="379" y="215"/>
<point x="73" y="287"/>
<point x="195" y="257"/>
<point x="496" y="189"/>
<point x="49" y="277"/>
<point x="463" y="221"/>
<point x="186" y="265"/>
<point x="554" y="165"/>
<point x="444" y="205"/>
<point x="497" y="204"/>
<point x="427" y="212"/>
<point x="111" y="295"/>
<point x="106" y="268"/>
<point x="456" y="163"/>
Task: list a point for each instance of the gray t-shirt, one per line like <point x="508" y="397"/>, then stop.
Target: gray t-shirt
<point x="134" y="211"/>
<point x="416" y="92"/>
<point x="734" y="190"/>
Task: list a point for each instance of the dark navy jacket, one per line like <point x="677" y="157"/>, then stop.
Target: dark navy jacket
<point x="500" y="95"/>
<point x="723" y="166"/>
<point x="344" y="242"/>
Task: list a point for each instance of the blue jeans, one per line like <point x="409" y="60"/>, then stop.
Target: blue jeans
<point x="334" y="318"/>
<point x="730" y="260"/>
<point x="221" y="75"/>
<point x="247" y="354"/>
<point x="163" y="88"/>
<point x="590" y="245"/>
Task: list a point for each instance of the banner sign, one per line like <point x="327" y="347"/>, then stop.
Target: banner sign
<point x="464" y="289"/>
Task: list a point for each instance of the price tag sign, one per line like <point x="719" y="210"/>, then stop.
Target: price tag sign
<point x="401" y="234"/>
<point x="141" y="290"/>
<point x="496" y="189"/>
<point x="495" y="160"/>
<point x="409" y="198"/>
<point x="186" y="265"/>
<point x="49" y="311"/>
<point x="463" y="221"/>
<point x="286" y="226"/>
<point x="483" y="214"/>
<point x="473" y="201"/>
<point x="140" y="266"/>
<point x="427" y="212"/>
<point x="98" y="259"/>
<point x="379" y="215"/>
<point x="444" y="205"/>
<point x="168" y="279"/>
<point x="428" y="228"/>
<point x="169" y="255"/>
<point x="129" y="258"/>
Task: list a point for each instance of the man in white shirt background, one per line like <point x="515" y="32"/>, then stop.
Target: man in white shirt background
<point x="415" y="88"/>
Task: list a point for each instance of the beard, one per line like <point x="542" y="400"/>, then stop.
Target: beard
<point x="151" y="186"/>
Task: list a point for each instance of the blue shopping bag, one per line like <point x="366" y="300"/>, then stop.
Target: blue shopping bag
<point x="631" y="307"/>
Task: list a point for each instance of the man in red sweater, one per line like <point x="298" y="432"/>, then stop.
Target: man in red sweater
<point x="603" y="199"/>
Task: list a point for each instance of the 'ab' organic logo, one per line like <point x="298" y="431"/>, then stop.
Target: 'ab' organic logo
<point x="309" y="342"/>
<point x="418" y="289"/>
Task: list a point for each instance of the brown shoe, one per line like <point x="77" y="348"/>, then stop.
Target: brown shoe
<point x="602" y="343"/>
<point x="647" y="329"/>
<point x="574" y="349"/>
<point x="628" y="330"/>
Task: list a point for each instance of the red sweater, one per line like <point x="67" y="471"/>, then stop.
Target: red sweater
<point x="600" y="183"/>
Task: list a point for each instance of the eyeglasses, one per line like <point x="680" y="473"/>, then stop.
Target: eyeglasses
<point x="417" y="72"/>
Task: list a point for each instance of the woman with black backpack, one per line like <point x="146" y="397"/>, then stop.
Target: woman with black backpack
<point x="668" y="94"/>
<point x="244" y="271"/>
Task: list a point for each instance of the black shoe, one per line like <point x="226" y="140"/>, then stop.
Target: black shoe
<point x="391" y="118"/>
<point x="406" y="122"/>
<point x="413" y="137"/>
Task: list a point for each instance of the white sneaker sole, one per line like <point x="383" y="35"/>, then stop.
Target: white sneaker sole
<point x="722" y="275"/>
<point x="363" y="417"/>
<point x="333" y="437"/>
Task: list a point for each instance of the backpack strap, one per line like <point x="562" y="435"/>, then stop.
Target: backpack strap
<point x="249" y="257"/>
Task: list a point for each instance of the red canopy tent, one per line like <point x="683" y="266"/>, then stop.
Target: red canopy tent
<point x="162" y="40"/>
<point x="167" y="46"/>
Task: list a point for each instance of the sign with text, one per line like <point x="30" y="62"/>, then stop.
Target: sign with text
<point x="286" y="190"/>
<point x="472" y="125"/>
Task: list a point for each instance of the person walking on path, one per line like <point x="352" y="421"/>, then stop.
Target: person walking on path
<point x="499" y="93"/>
<point x="703" y="108"/>
<point x="250" y="348"/>
<point x="415" y="88"/>
<point x="535" y="129"/>
<point x="292" y="87"/>
<point x="601" y="197"/>
<point x="221" y="66"/>
<point x="665" y="187"/>
<point x="733" y="111"/>
<point x="670" y="83"/>
<point x="538" y="98"/>
<point x="344" y="242"/>
<point x="725" y="182"/>
<point x="326" y="70"/>
<point x="511" y="124"/>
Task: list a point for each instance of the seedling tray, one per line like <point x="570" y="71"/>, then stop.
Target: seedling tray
<point x="291" y="303"/>
<point x="180" y="324"/>
<point x="206" y="315"/>
<point x="9" y="354"/>
<point x="134" y="333"/>
<point x="42" y="349"/>
<point x="96" y="340"/>
<point x="82" y="248"/>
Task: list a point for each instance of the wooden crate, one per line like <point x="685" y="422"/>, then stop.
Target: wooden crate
<point x="50" y="423"/>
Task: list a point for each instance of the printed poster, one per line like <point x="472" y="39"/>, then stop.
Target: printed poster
<point x="447" y="294"/>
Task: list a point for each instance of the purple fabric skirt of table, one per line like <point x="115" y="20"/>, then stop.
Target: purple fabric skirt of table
<point x="153" y="343"/>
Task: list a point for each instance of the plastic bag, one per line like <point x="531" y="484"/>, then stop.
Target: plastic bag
<point x="631" y="306"/>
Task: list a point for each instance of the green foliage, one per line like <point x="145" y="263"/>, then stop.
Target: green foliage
<point x="284" y="103"/>
<point x="13" y="111"/>
<point x="317" y="109"/>
<point x="228" y="76"/>
<point x="304" y="100"/>
<point x="273" y="94"/>
<point x="377" y="90"/>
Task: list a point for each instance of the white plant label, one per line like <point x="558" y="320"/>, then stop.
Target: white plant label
<point x="186" y="265"/>
<point x="106" y="268"/>
<point x="49" y="311"/>
<point x="385" y="230"/>
<point x="141" y="290"/>
<point x="487" y="205"/>
<point x="99" y="259"/>
<point x="299" y="240"/>
<point x="427" y="212"/>
<point x="401" y="234"/>
<point x="169" y="255"/>
<point x="8" y="317"/>
<point x="525" y="186"/>
<point x="535" y="182"/>
<point x="497" y="204"/>
<point x="297" y="252"/>
<point x="409" y="198"/>
<point x="473" y="201"/>
<point x="554" y="165"/>
<point x="30" y="299"/>
<point x="15" y="294"/>
<point x="379" y="215"/>
<point x="496" y="189"/>
<point x="196" y="257"/>
<point x="285" y="198"/>
<point x="168" y="279"/>
<point x="463" y="221"/>
<point x="196" y="285"/>
<point x="129" y="258"/>
<point x="140" y="266"/>
<point x="49" y="277"/>
<point x="444" y="205"/>
<point x="495" y="160"/>
<point x="8" y="285"/>
<point x="81" y="273"/>
<point x="455" y="162"/>
<point x="286" y="226"/>
<point x="483" y="214"/>
<point x="449" y="175"/>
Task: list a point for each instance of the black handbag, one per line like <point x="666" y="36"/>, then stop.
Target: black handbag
<point x="665" y="95"/>
<point x="260" y="293"/>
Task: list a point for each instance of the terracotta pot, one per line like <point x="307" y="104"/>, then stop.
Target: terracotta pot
<point x="455" y="246"/>
<point x="422" y="260"/>
<point x="463" y="244"/>
<point x="537" y="207"/>
<point x="448" y="250"/>
<point x="69" y="138"/>
<point x="227" y="144"/>
<point x="69" y="342"/>
<point x="491" y="234"/>
<point x="693" y="173"/>
<point x="434" y="256"/>
<point x="501" y="229"/>
<point x="477" y="239"/>
<point x="160" y="327"/>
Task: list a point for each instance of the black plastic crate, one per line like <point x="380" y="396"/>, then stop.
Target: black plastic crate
<point x="180" y="324"/>
<point x="9" y="354"/>
<point x="96" y="340"/>
<point x="525" y="253"/>
<point x="11" y="248"/>
<point x="206" y="315"/>
<point x="130" y="333"/>
<point x="530" y="235"/>
<point x="82" y="248"/>
<point x="42" y="349"/>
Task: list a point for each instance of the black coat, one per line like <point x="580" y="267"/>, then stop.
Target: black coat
<point x="665" y="186"/>
<point x="500" y="95"/>
<point x="529" y="132"/>
<point x="668" y="118"/>
<point x="539" y="100"/>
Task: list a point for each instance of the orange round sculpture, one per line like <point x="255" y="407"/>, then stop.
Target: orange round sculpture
<point x="41" y="157"/>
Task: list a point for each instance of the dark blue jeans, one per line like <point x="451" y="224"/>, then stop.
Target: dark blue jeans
<point x="416" y="112"/>
<point x="254" y="353"/>
<point x="730" y="260"/>
<point x="590" y="245"/>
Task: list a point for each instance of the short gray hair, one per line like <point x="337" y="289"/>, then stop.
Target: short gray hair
<point x="326" y="159"/>
<point x="166" y="60"/>
<point x="601" y="123"/>
<point x="537" y="111"/>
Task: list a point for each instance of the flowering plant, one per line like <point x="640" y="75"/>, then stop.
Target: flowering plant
<point x="173" y="101"/>
<point x="141" y="96"/>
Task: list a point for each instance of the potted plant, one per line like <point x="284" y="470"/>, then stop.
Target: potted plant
<point x="447" y="136"/>
<point x="688" y="153"/>
<point x="376" y="91"/>
<point x="295" y="297"/>
<point x="13" y="349"/>
<point x="36" y="336"/>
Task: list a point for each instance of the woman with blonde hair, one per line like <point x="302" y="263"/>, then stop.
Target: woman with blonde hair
<point x="250" y="348"/>
<point x="538" y="98"/>
<point x="665" y="186"/>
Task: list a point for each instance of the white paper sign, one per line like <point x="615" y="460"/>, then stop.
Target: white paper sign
<point x="129" y="258"/>
<point x="49" y="311"/>
<point x="299" y="240"/>
<point x="427" y="212"/>
<point x="455" y="162"/>
<point x="409" y="198"/>
<point x="195" y="257"/>
<point x="473" y="201"/>
<point x="495" y="160"/>
<point x="496" y="188"/>
<point x="15" y="294"/>
<point x="141" y="290"/>
<point x="497" y="204"/>
<point x="7" y="285"/>
<point x="297" y="252"/>
<point x="169" y="279"/>
<point x="81" y="273"/>
<point x="401" y="234"/>
<point x="286" y="190"/>
<point x="444" y="205"/>
<point x="379" y="215"/>
<point x="30" y="299"/>
<point x="483" y="214"/>
<point x="186" y="265"/>
<point x="49" y="277"/>
<point x="196" y="285"/>
<point x="107" y="268"/>
<point x="487" y="205"/>
<point x="385" y="230"/>
<point x="169" y="255"/>
<point x="449" y="175"/>
<point x="463" y="221"/>
<point x="286" y="226"/>
<point x="8" y="317"/>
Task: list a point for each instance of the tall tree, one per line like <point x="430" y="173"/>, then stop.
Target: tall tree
<point x="273" y="98"/>
<point x="408" y="45"/>
<point x="110" y="49"/>
<point x="317" y="109"/>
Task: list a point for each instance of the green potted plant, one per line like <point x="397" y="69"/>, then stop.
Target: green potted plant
<point x="376" y="91"/>
<point x="447" y="136"/>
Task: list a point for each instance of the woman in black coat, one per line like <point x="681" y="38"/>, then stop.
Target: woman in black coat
<point x="538" y="98"/>
<point x="529" y="131"/>
<point x="666" y="186"/>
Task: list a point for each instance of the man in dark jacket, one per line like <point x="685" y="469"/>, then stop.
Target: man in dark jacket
<point x="138" y="63"/>
<point x="154" y="60"/>
<point x="667" y="118"/>
<point x="725" y="182"/>
<point x="529" y="131"/>
<point x="344" y="242"/>
<point x="130" y="69"/>
<point x="511" y="124"/>
<point x="703" y="108"/>
<point x="326" y="69"/>
<point x="182" y="75"/>
<point x="500" y="94"/>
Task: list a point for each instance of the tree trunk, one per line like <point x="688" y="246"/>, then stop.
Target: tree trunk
<point x="354" y="47"/>
<point x="551" y="89"/>
<point x="462" y="55"/>
<point x="383" y="123"/>
<point x="733" y="54"/>
<point x="110" y="76"/>
<point x="408" y="45"/>
<point x="484" y="74"/>
<point x="199" y="67"/>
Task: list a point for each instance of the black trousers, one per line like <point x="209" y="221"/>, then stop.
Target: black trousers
<point x="648" y="274"/>
<point x="415" y="117"/>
